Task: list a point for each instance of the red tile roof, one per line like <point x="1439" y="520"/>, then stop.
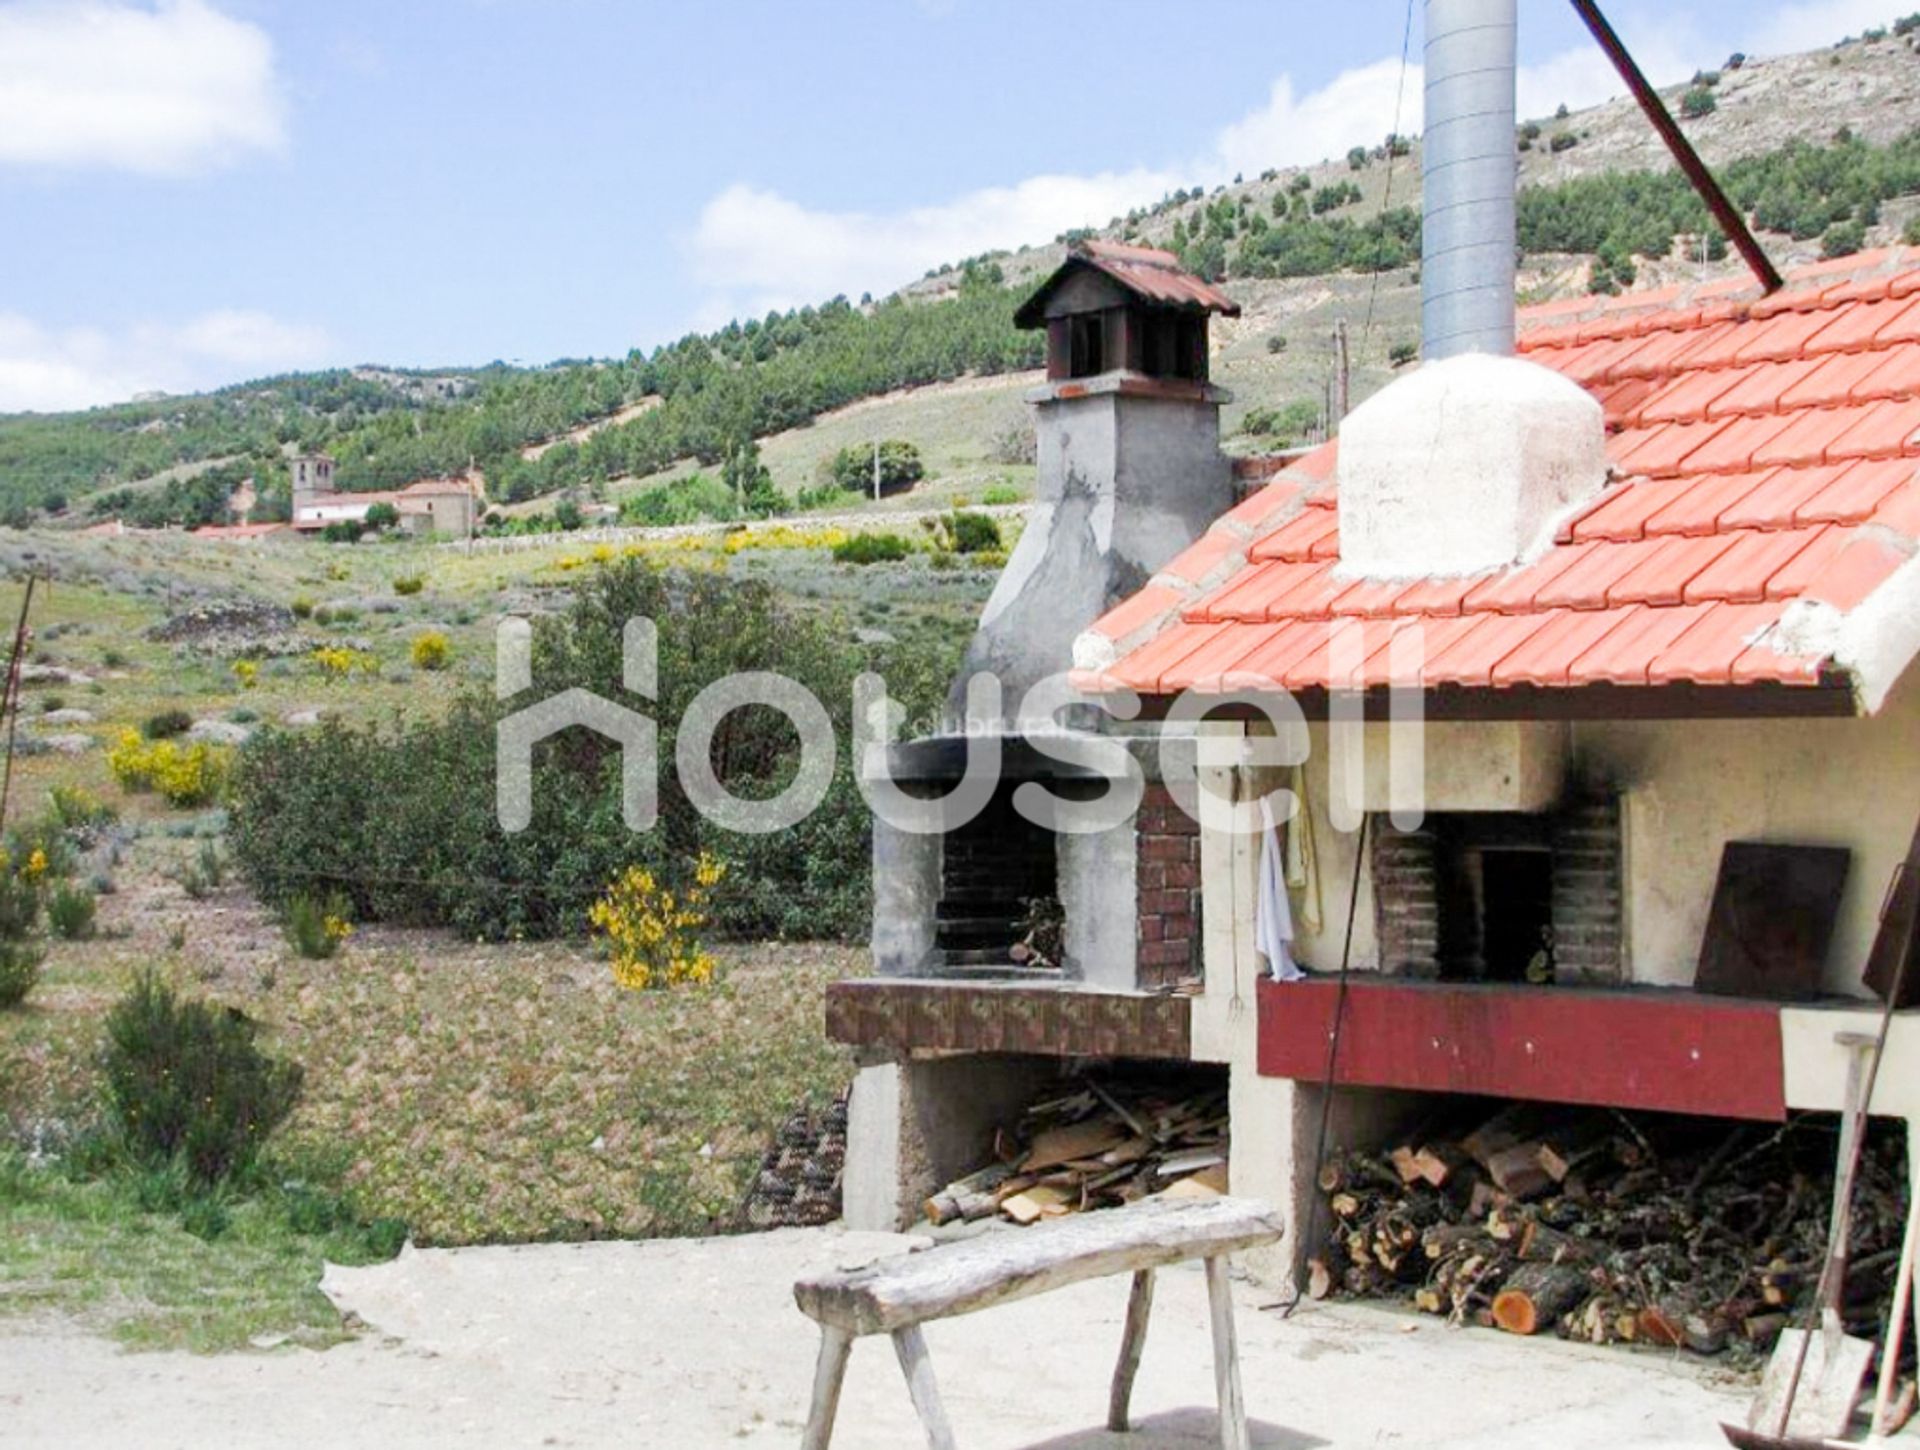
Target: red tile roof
<point x="1767" y="452"/>
<point x="1152" y="275"/>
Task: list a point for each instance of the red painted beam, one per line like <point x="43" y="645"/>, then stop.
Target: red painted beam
<point x="1669" y="1051"/>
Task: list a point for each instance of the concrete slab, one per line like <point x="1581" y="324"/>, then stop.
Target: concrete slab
<point x="696" y="1343"/>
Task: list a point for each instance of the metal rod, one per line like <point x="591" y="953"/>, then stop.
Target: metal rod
<point x="10" y="697"/>
<point x="1688" y="159"/>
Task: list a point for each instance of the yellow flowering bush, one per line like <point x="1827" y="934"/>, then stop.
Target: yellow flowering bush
<point x="336" y="661"/>
<point x="183" y="775"/>
<point x="431" y="651"/>
<point x="602" y="553"/>
<point x="651" y="932"/>
<point x="246" y="673"/>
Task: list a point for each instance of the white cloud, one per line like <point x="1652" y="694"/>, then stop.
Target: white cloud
<point x="757" y="249"/>
<point x="1355" y="108"/>
<point x="754" y="249"/>
<point x="1816" y="24"/>
<point x="46" y="369"/>
<point x="164" y="91"/>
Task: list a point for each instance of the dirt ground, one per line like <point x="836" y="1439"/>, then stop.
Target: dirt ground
<point x="696" y="1343"/>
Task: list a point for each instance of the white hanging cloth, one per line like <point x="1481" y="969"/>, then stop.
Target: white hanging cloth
<point x="1273" y="914"/>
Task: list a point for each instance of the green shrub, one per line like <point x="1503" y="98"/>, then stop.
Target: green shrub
<point x="973" y="533"/>
<point x="698" y="498"/>
<point x="1001" y="493"/>
<point x="70" y="912"/>
<point x="19" y="971"/>
<point x="404" y="818"/>
<point x="872" y="549"/>
<point x="187" y="1083"/>
<point x="1842" y="239"/>
<point x="1402" y="353"/>
<point x="1697" y="102"/>
<point x="900" y="466"/>
<point x="302" y="608"/>
<point x="315" y="926"/>
<point x="404" y="584"/>
<point x="166" y="724"/>
<point x="1562" y="141"/>
<point x="78" y="809"/>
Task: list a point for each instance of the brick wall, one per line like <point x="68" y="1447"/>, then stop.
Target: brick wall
<point x="1169" y="890"/>
<point x="1587" y="892"/>
<point x="1406" y="896"/>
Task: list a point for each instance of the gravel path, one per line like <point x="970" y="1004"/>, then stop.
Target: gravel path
<point x="696" y="1343"/>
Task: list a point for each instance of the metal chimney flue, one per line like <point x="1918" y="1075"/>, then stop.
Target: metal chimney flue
<point x="1468" y="173"/>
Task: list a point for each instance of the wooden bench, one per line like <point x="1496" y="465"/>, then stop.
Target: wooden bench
<point x="897" y="1295"/>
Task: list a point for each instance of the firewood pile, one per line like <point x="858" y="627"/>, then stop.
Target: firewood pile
<point x="1604" y="1227"/>
<point x="1096" y="1145"/>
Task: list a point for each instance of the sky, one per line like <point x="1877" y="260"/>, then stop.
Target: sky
<point x="197" y="192"/>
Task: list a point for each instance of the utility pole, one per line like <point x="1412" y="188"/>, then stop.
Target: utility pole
<point x="1341" y="372"/>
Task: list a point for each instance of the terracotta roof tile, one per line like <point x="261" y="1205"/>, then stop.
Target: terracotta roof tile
<point x="1137" y="611"/>
<point x="1470" y="658"/>
<point x="1744" y="571"/>
<point x="1547" y="657"/>
<point x="1513" y="591"/>
<point x="1669" y="566"/>
<point x="1793" y="577"/>
<point x="1860" y="566"/>
<point x="1706" y="652"/>
<point x="1760" y="387"/>
<point x="1627" y="653"/>
<point x="1660" y="451"/>
<point x="1624" y="514"/>
<point x="1700" y="504"/>
<point x="1770" y="448"/>
<point x="1200" y="559"/>
<point x="1885" y="428"/>
<point x="1808" y="438"/>
<point x="1295" y="540"/>
<point x="1858" y="491"/>
<point x="1772" y="504"/>
<point x="1737" y="446"/>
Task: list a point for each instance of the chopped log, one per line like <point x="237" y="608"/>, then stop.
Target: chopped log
<point x="1043" y="1200"/>
<point x="1442" y="1238"/>
<point x="1405" y="1161"/>
<point x="1536" y="1295"/>
<point x="1517" y="1171"/>
<point x="1540" y="1244"/>
<point x="1760" y="1330"/>
<point x="1077" y="1140"/>
<point x="1658" y="1325"/>
<point x="1437" y="1162"/>
<point x="1319" y="1279"/>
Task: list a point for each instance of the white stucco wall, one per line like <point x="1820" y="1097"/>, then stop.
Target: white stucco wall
<point x="1687" y="788"/>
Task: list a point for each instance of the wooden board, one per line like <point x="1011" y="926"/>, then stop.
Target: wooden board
<point x="1656" y="1048"/>
<point x="997" y="1268"/>
<point x="1772" y="919"/>
<point x="1897" y="932"/>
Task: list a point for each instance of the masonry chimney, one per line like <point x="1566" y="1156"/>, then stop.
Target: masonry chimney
<point x="1129" y="468"/>
<point x="1467" y="464"/>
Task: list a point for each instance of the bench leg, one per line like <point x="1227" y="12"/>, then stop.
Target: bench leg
<point x="1226" y="1358"/>
<point x="918" y="1368"/>
<point x="1139" y="1305"/>
<point x="828" y="1373"/>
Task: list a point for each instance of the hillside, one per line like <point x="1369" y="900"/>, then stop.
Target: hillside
<point x="1822" y="149"/>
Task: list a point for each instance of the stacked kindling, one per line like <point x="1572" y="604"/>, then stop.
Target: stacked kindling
<point x="1102" y="1144"/>
<point x="1604" y="1227"/>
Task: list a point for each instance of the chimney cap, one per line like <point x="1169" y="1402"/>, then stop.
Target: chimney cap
<point x="1153" y="276"/>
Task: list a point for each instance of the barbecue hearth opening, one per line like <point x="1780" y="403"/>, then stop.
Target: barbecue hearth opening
<point x="1503" y="896"/>
<point x="999" y="893"/>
